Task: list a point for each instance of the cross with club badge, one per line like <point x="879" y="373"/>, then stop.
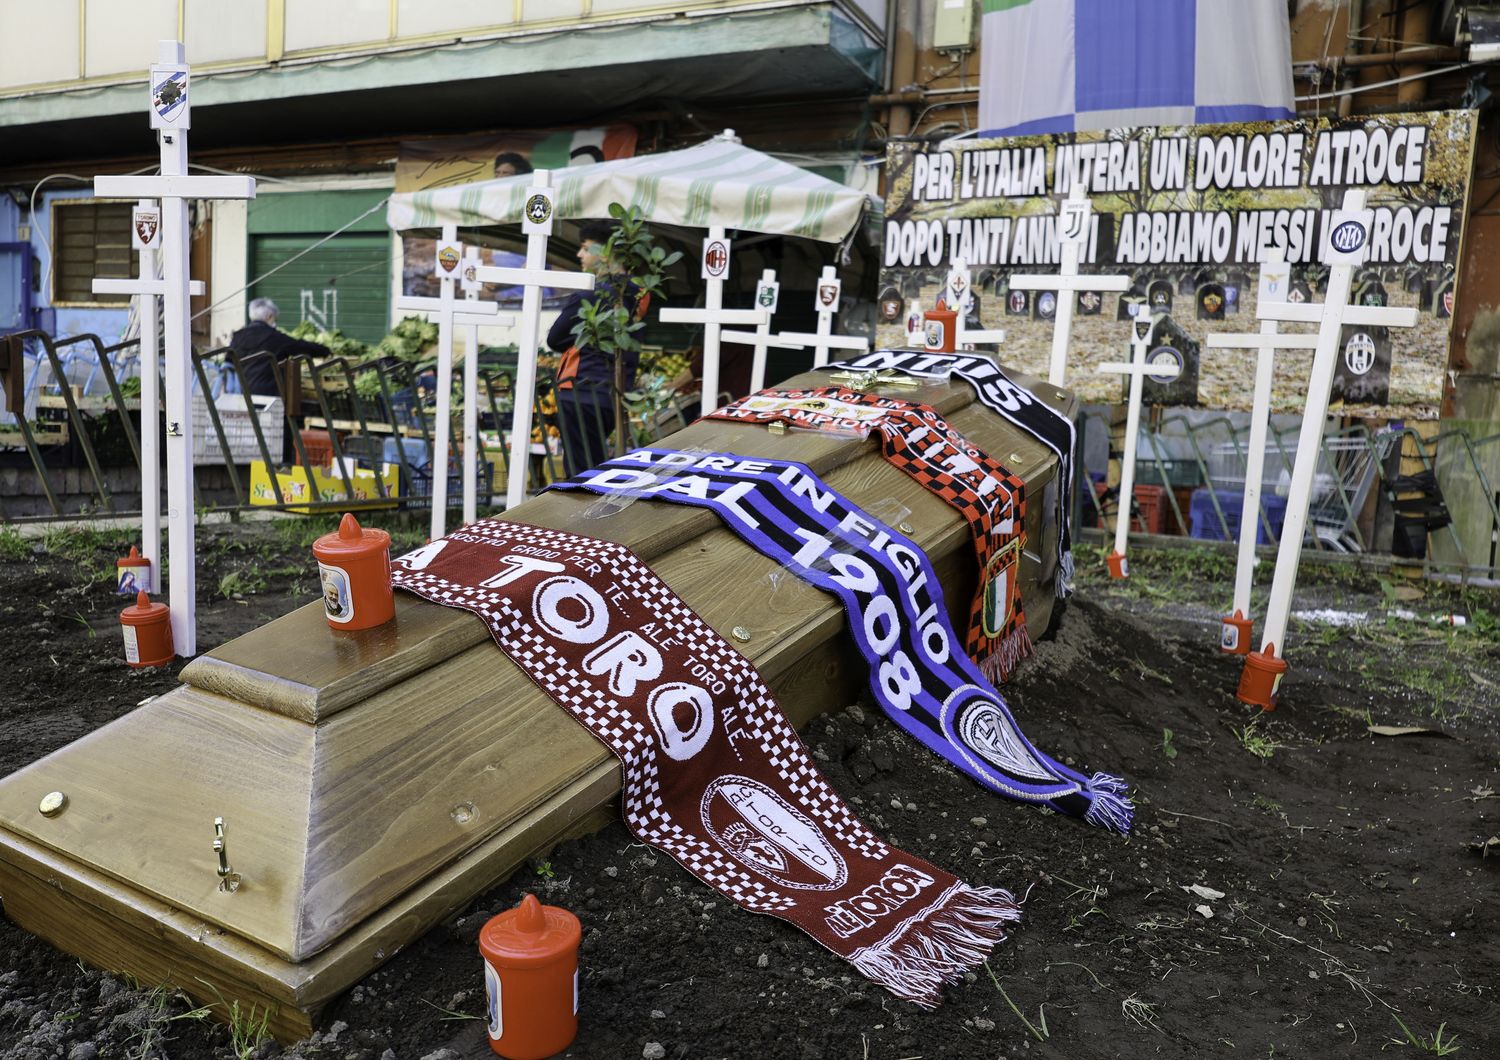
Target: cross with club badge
<point x="958" y="295"/>
<point x="1143" y="330"/>
<point x="448" y="265"/>
<point x="471" y="286"/>
<point x="147" y="287"/>
<point x="713" y="316"/>
<point x="767" y="296"/>
<point x="536" y="222"/>
<point x="170" y="108"/>
<point x="1074" y="229"/>
<point x="1275" y="283"/>
<point x="826" y="303"/>
<point x="1345" y="246"/>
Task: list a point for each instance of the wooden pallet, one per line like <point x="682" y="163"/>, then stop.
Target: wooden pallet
<point x="372" y="784"/>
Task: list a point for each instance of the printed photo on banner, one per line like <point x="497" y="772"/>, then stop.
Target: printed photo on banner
<point x="1189" y="213"/>
<point x="447" y="161"/>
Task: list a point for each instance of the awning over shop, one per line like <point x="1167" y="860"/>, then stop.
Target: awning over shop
<point x="718" y="182"/>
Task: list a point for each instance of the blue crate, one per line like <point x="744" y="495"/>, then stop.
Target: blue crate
<point x="1205" y="522"/>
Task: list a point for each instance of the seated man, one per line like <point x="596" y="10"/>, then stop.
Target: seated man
<point x="261" y="336"/>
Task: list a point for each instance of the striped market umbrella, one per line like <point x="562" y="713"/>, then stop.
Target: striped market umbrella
<point x="720" y="182"/>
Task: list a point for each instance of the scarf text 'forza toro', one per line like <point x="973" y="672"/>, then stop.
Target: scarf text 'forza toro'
<point x="712" y="772"/>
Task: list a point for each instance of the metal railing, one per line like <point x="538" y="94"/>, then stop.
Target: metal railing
<point x="373" y="415"/>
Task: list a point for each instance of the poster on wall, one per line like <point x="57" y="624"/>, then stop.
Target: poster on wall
<point x="443" y="162"/>
<point x="1189" y="212"/>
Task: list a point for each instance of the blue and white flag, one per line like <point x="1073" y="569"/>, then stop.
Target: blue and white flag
<point x="1051" y="66"/>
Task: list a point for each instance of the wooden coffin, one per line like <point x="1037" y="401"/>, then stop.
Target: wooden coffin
<point x="373" y="783"/>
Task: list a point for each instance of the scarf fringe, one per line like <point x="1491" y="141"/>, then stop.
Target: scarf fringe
<point x="940" y="945"/>
<point x="1110" y="808"/>
<point x="1005" y="654"/>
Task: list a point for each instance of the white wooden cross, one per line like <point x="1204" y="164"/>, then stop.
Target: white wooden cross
<point x="767" y="295"/>
<point x="958" y="294"/>
<point x="713" y="316"/>
<point x="1073" y="229"/>
<point x="1345" y="245"/>
<point x="171" y="116"/>
<point x="1143" y="330"/>
<point x="471" y="324"/>
<point x="147" y="287"/>
<point x="826" y="302"/>
<point x="448" y="265"/>
<point x="1275" y="281"/>
<point x="536" y="223"/>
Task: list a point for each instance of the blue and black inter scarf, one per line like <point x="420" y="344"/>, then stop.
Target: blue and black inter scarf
<point x="919" y="672"/>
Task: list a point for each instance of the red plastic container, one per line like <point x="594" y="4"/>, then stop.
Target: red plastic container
<point x="939" y="327"/>
<point x="354" y="565"/>
<point x="1234" y="634"/>
<point x="1260" y="680"/>
<point x="148" y="633"/>
<point x="531" y="979"/>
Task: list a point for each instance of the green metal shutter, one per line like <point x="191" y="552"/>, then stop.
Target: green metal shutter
<point x="344" y="284"/>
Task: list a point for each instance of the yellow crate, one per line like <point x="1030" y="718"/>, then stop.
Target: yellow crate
<point x="326" y="485"/>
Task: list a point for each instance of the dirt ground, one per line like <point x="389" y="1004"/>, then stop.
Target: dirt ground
<point x="1295" y="885"/>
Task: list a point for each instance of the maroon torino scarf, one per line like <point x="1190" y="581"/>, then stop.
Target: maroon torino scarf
<point x="713" y="773"/>
<point x="921" y="443"/>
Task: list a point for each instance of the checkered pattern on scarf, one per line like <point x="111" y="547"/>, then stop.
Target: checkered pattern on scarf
<point x="916" y="439"/>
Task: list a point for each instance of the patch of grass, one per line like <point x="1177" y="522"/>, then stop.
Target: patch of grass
<point x="240" y="583"/>
<point x="247" y="1029"/>
<point x="1255" y="741"/>
<point x="1435" y="1045"/>
<point x="449" y="1014"/>
<point x="1261" y="802"/>
<point x="12" y="545"/>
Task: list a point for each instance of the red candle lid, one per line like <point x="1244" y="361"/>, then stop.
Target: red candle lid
<point x="351" y="538"/>
<point x="143" y="610"/>
<point x="530" y="934"/>
<point x="135" y="559"/>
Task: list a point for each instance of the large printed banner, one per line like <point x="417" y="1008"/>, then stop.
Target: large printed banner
<point x="1188" y="213"/>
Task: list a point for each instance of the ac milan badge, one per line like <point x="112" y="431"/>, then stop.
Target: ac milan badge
<point x="145" y="228"/>
<point x="715" y="259"/>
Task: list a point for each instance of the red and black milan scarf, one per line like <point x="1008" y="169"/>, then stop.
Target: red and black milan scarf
<point x="916" y="439"/>
<point x="713" y="774"/>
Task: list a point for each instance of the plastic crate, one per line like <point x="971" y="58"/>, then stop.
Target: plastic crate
<point x="1205" y="521"/>
<point x="318" y="445"/>
<point x="238" y="430"/>
<point x="1150" y="516"/>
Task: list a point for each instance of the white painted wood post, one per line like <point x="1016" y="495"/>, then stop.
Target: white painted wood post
<point x="767" y="297"/>
<point x="1074" y="229"/>
<point x="170" y="111"/>
<point x="959" y="296"/>
<point x="1275" y="277"/>
<point x="1137" y="369"/>
<point x="714" y="268"/>
<point x="1345" y="246"/>
<point x="826" y="302"/>
<point x="536" y="223"/>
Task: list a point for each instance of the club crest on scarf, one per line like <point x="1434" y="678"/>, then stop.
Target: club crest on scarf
<point x="895" y="608"/>
<point x="712" y="773"/>
<point x="916" y="439"/>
